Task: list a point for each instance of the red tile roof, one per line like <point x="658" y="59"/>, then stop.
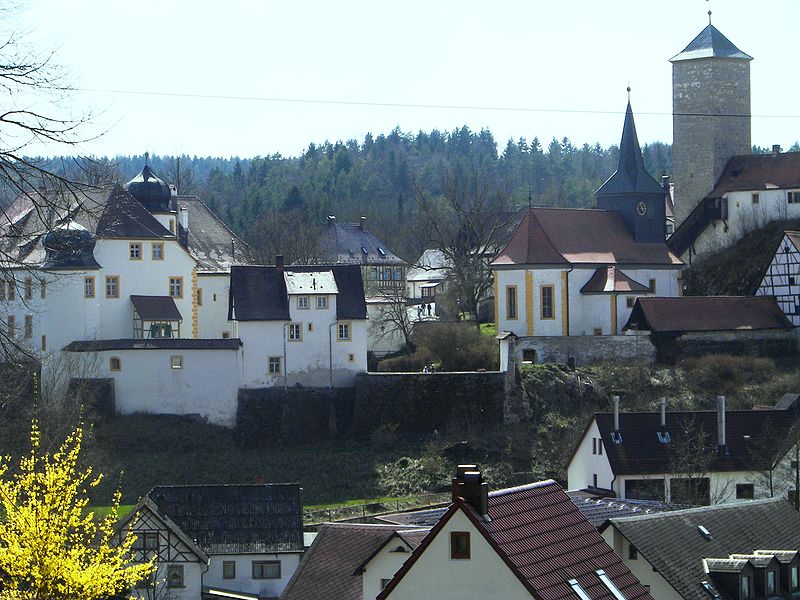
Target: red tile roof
<point x="545" y="540"/>
<point x="579" y="236"/>
<point x="707" y="313"/>
<point x="611" y="279"/>
<point x="754" y="172"/>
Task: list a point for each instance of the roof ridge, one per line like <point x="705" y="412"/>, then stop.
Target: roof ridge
<point x="701" y="509"/>
<point x="522" y="488"/>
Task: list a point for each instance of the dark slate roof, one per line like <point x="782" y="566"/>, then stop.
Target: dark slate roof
<point x="422" y="518"/>
<point x="641" y="451"/>
<point x="258" y="293"/>
<point x="630" y="177"/>
<point x="672" y="543"/>
<point x="558" y="236"/>
<point x="153" y="344"/>
<point x="707" y="313"/>
<point x="124" y="217"/>
<point x="330" y="567"/>
<point x="152" y="308"/>
<point x="545" y="540"/>
<point x="756" y="172"/>
<point x="608" y="280"/>
<point x="710" y="43"/>
<point x="599" y="510"/>
<point x="209" y="240"/>
<point x="236" y="518"/>
<point x="352" y="243"/>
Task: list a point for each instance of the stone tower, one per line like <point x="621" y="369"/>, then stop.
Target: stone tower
<point x="710" y="115"/>
<point x="632" y="192"/>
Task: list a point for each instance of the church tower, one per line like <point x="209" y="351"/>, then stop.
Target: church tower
<point x="632" y="192"/>
<point x="710" y="115"/>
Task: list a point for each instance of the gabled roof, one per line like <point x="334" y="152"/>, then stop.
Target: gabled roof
<point x="156" y="308"/>
<point x="758" y="172"/>
<point x="124" y="217"/>
<point x="558" y="236"/>
<point x="706" y="313"/>
<point x="673" y="545"/>
<point x="710" y="43"/>
<point x="630" y="177"/>
<point x="235" y="519"/>
<point x="153" y="344"/>
<point x="608" y="280"/>
<point x="754" y="438"/>
<point x="259" y="293"/>
<point x="545" y="541"/>
<point x="210" y="241"/>
<point x="432" y="265"/>
<point x="353" y="243"/>
<point x="329" y="567"/>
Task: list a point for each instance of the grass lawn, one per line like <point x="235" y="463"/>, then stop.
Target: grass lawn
<point x="489" y="329"/>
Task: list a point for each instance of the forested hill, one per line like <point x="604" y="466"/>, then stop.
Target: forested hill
<point x="273" y="199"/>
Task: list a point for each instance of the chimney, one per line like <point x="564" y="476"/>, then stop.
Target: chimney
<point x="233" y="250"/>
<point x="183" y="217"/>
<point x="331" y="220"/>
<point x="663" y="413"/>
<point x="361" y="222"/>
<point x="173" y="190"/>
<point x="615" y="400"/>
<point x="469" y="486"/>
<point x="721" y="425"/>
<point x="665" y="183"/>
<point x="279" y="263"/>
<point x="776" y="149"/>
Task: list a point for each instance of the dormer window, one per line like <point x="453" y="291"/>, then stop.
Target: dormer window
<point x="772" y="583"/>
<point x="381" y="251"/>
<point x="745" y="587"/>
<point x="364" y="250"/>
<point x="794" y="578"/>
<point x="664" y="437"/>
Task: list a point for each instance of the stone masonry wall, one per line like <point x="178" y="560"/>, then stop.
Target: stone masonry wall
<point x="584" y="349"/>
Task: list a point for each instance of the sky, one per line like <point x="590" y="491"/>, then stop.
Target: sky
<point x="256" y="78"/>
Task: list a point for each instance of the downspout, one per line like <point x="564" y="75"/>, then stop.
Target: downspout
<point x="330" y="354"/>
<point x="285" y="366"/>
<point x="566" y="286"/>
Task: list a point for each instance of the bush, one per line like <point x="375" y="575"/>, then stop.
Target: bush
<point x="384" y="435"/>
<point x="410" y="363"/>
<point x="725" y="374"/>
<point x="458" y="346"/>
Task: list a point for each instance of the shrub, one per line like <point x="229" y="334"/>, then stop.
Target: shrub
<point x="384" y="435"/>
<point x="725" y="374"/>
<point x="458" y="346"/>
<point x="406" y="363"/>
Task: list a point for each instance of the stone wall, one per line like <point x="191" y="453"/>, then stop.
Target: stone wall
<point x="585" y="349"/>
<point x="772" y="343"/>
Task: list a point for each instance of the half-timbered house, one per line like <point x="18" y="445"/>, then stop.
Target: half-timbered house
<point x="782" y="278"/>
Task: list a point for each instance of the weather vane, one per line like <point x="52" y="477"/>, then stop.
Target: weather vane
<point x="709" y="11"/>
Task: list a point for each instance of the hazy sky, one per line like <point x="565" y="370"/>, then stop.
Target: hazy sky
<point x="255" y="78"/>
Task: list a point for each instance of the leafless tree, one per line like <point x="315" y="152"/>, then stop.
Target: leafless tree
<point x="692" y="457"/>
<point x="392" y="321"/>
<point x="466" y="223"/>
<point x="182" y="175"/>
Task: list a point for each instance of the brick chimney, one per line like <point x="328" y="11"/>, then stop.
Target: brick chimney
<point x="361" y="222"/>
<point x="468" y="485"/>
<point x="279" y="263"/>
<point x="331" y="220"/>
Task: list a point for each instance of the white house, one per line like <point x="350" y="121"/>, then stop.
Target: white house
<point x="782" y="278"/>
<point x="427" y="277"/>
<point x="578" y="272"/>
<point x="523" y="542"/>
<point x="299" y="325"/>
<point x="220" y="541"/>
<point x="742" y="550"/>
<point x="688" y="457"/>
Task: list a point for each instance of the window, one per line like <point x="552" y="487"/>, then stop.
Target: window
<point x="302" y="302"/>
<point x="633" y="553"/>
<point x="226" y="335"/>
<point x="594" y="480"/>
<point x="745" y="591"/>
<point x="322" y="302"/>
<point x="176" y="362"/>
<point x="295" y="332"/>
<point x="644" y="489"/>
<point x="172" y="225"/>
<point x="199" y="296"/>
<point x="630" y="301"/>
<point x="146" y="540"/>
<point x="529" y="355"/>
<point x="229" y="569"/>
<point x="44" y="343"/>
<point x="135" y="250"/>
<point x="176" y="287"/>
<point x="311" y="327"/>
<point x="794" y="578"/>
<point x="793" y="197"/>
<point x="459" y="545"/>
<point x="114" y="364"/>
<point x="597" y="331"/>
<point x="112" y="286"/>
<point x="695" y="491"/>
<point x="754" y="197"/>
<point x="772" y="583"/>
<point x="652" y="286"/>
<point x="42" y="288"/>
<point x="266" y="569"/>
<point x="175" y="576"/>
<point x="12" y="325"/>
<point x="274" y="365"/>
<point x="600" y="446"/>
<point x="12" y="290"/>
<point x="511" y="302"/>
<point x="546" y="296"/>
<point x="157" y="251"/>
<point x="88" y="287"/>
<point x="28" y="288"/>
<point x="28" y="326"/>
<point x="791" y="280"/>
<point x="594" y="445"/>
<point x="344" y="331"/>
<point x="745" y="491"/>
<point x="351" y="357"/>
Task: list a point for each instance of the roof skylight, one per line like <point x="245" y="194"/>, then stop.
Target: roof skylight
<point x="576" y="587"/>
<point x="610" y="585"/>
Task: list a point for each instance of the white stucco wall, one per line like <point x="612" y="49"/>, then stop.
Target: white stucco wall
<point x="584" y="464"/>
<point x="315" y="361"/>
<point x="207" y="384"/>
<point x="244" y="582"/>
<point x="722" y="484"/>
<point x="640" y="567"/>
<point x="384" y="337"/>
<point x="383" y="566"/>
<point x="212" y="316"/>
<point x="436" y="575"/>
